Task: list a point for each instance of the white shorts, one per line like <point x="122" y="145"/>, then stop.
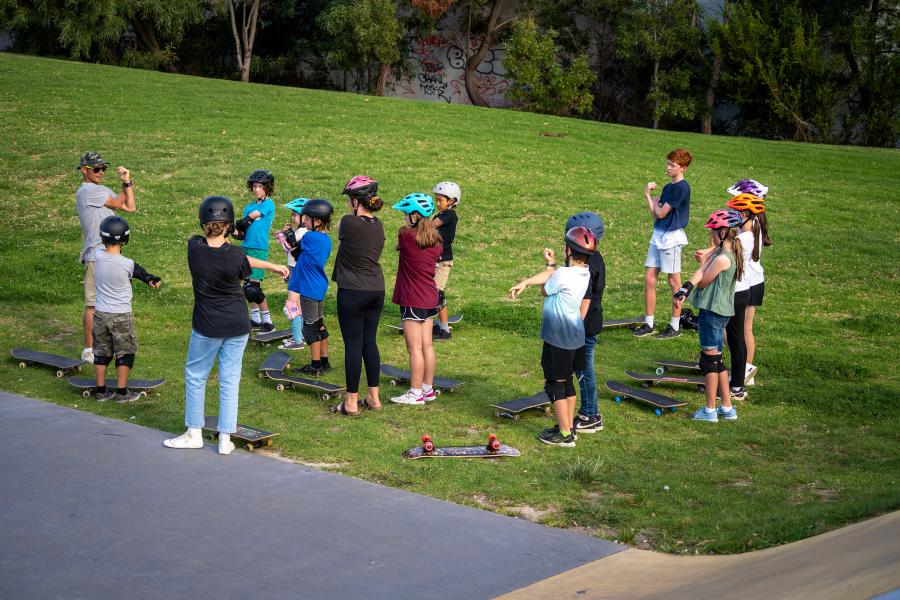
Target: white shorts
<point x="667" y="261"/>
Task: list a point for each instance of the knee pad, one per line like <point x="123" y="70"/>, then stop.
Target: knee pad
<point x="323" y="331"/>
<point x="253" y="292"/>
<point x="556" y="390"/>
<point x="721" y="365"/>
<point x="442" y="301"/>
<point x="102" y="360"/>
<point x="709" y="363"/>
<point x="311" y="332"/>
<point x="126" y="360"/>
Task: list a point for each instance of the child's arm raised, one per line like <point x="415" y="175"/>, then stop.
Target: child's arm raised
<point x="262" y="264"/>
<point x="653" y="205"/>
<point x="537" y="279"/>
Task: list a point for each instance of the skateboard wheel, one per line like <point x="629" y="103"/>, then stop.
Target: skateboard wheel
<point x="674" y="409"/>
<point x="660" y="370"/>
<point x="437" y="392"/>
<point x="645" y="385"/>
<point x="86" y="394"/>
<point x="78" y="368"/>
<point x="701" y="388"/>
<point x="259" y="375"/>
<point x="250" y="447"/>
<point x="143" y="394"/>
<point x="280" y="387"/>
<point x="22" y="365"/>
<point x="393" y="382"/>
<point x="657" y="411"/>
<point x="618" y="399"/>
<point x="516" y="417"/>
<point x="60" y="373"/>
<point x="326" y="397"/>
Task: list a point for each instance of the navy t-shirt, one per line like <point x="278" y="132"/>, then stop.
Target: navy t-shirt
<point x="220" y="308"/>
<point x="678" y="196"/>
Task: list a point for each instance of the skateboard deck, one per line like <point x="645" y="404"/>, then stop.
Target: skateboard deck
<point x="451" y="320"/>
<point x="277" y="361"/>
<point x="659" y="402"/>
<point x="400" y="376"/>
<point x="648" y="380"/>
<point x="493" y="449"/>
<point x="254" y="438"/>
<point x="88" y="385"/>
<point x="512" y="408"/>
<point x="271" y="336"/>
<point x="62" y="364"/>
<point x="687" y="365"/>
<point x="629" y="323"/>
<point x="326" y="391"/>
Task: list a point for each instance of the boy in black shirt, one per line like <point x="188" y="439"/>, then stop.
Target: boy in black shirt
<point x="446" y="197"/>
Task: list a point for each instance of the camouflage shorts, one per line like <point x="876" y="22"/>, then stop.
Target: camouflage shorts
<point x="114" y="334"/>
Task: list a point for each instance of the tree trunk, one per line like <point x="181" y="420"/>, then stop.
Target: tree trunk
<point x="243" y="43"/>
<point x="655" y="102"/>
<point x="383" y="70"/>
<point x="706" y="121"/>
<point x="473" y="61"/>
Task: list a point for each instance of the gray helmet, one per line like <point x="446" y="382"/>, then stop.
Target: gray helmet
<point x="318" y="208"/>
<point x="216" y="209"/>
<point x="114" y="230"/>
<point x="92" y="159"/>
<point x="592" y="221"/>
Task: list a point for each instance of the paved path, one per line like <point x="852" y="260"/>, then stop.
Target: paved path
<point x="98" y="508"/>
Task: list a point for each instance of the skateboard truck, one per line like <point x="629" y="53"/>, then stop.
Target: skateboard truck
<point x="493" y="444"/>
<point x="427" y="444"/>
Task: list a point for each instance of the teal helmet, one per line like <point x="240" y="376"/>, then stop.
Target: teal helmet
<point x="296" y="205"/>
<point x="420" y="203"/>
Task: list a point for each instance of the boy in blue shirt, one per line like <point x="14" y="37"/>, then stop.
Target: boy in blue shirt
<point x="670" y="213"/>
<point x="253" y="229"/>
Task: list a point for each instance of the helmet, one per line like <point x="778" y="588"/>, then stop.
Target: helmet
<point x="724" y="218"/>
<point x="749" y="202"/>
<point x="296" y="205"/>
<point x="261" y="176"/>
<point x="360" y="185"/>
<point x="92" y="159"/>
<point x="216" y="209"/>
<point x="318" y="208"/>
<point x="592" y="221"/>
<point x="447" y="188"/>
<point x="580" y="239"/>
<point x="748" y="186"/>
<point x="420" y="203"/>
<point x="114" y="230"/>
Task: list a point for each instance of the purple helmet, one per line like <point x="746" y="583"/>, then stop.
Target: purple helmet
<point x="748" y="186"/>
<point x="360" y="185"/>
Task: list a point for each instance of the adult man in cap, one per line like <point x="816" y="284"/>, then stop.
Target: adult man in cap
<point x="94" y="202"/>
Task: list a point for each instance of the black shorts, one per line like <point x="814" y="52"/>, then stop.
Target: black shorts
<point x="756" y="294"/>
<point x="559" y="364"/>
<point x="408" y="313"/>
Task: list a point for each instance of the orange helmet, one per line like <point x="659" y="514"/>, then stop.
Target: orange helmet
<point x="754" y="204"/>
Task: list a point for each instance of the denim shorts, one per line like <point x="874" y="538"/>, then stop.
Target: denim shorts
<point x="711" y="327"/>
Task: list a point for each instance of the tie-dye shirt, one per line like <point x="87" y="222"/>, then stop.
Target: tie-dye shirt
<point x="562" y="325"/>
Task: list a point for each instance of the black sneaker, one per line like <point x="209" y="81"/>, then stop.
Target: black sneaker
<point x="643" y="331"/>
<point x="440" y="335"/>
<point x="265" y="327"/>
<point x="255" y="324"/>
<point x="585" y="424"/>
<point x="553" y="437"/>
<point x="669" y="333"/>
<point x="128" y="396"/>
<point x="327" y="368"/>
<point x="310" y="370"/>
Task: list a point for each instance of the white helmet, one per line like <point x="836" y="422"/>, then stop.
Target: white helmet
<point x="449" y="189"/>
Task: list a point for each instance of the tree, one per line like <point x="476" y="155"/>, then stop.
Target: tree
<point x="712" y="33"/>
<point x="244" y="39"/>
<point x="542" y="85"/>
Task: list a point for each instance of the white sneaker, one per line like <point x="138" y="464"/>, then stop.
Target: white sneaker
<point x="226" y="446"/>
<point x="192" y="438"/>
<point x="87" y="355"/>
<point x="409" y="398"/>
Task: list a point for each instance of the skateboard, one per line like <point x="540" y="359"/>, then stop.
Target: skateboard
<point x="271" y="336"/>
<point x="629" y="323"/>
<point x="451" y="320"/>
<point x="277" y="361"/>
<point x="326" y="391"/>
<point x="254" y="438"/>
<point x="648" y="380"/>
<point x="141" y="385"/>
<point x="400" y="376"/>
<point x="659" y="402"/>
<point x="62" y="364"/>
<point x="493" y="449"/>
<point x="512" y="408"/>
<point x="688" y="365"/>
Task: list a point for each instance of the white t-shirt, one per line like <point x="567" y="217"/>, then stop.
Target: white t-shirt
<point x="664" y="240"/>
<point x="753" y="270"/>
<point x="746" y="238"/>
<point x="561" y="325"/>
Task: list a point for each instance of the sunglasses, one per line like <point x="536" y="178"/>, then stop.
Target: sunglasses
<point x="98" y="169"/>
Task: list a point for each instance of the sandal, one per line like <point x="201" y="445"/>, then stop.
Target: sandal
<point x="364" y="405"/>
<point x="341" y="409"/>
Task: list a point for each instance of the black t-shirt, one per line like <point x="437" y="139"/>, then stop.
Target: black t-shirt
<point x="356" y="266"/>
<point x="220" y="308"/>
<point x="593" y="320"/>
<point x="448" y="232"/>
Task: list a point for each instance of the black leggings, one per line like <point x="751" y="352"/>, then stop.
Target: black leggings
<point x="359" y="312"/>
<point x="734" y="331"/>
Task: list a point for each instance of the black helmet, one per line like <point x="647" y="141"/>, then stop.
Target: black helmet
<point x="318" y="208"/>
<point x="261" y="176"/>
<point x="591" y="220"/>
<point x="216" y="209"/>
<point x="581" y="240"/>
<point x="114" y="230"/>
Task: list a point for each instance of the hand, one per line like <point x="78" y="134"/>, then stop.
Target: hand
<point x="699" y="255"/>
<point x="281" y="270"/>
<point x="517" y="289"/>
<point x="124" y="174"/>
<point x="549" y="255"/>
<point x="242" y="224"/>
<point x="650" y="187"/>
<point x="677" y="302"/>
<point x="156" y="283"/>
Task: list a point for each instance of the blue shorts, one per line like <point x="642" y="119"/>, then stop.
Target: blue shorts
<point x="711" y="327"/>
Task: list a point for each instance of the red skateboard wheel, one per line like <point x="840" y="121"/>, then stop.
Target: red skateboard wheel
<point x="493" y="445"/>
<point x="427" y="444"/>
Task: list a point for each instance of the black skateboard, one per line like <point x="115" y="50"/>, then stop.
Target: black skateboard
<point x="493" y="449"/>
<point x="659" y="402"/>
<point x="326" y="391"/>
<point x="687" y="365"/>
<point x="271" y="336"/>
<point x="631" y="323"/>
<point x="254" y="438"/>
<point x="62" y="364"/>
<point x="88" y="385"/>
<point x="451" y="320"/>
<point x="277" y="361"/>
<point x="512" y="408"/>
<point x="648" y="380"/>
<point x="400" y="376"/>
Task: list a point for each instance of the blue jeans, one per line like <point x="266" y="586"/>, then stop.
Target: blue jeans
<point x="587" y="379"/>
<point x="297" y="328"/>
<point x="711" y="329"/>
<point x="202" y="353"/>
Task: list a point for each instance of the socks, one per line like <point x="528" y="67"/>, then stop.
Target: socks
<point x="649" y="321"/>
<point x="565" y="433"/>
<point x="675" y="323"/>
<point x="266" y="316"/>
<point x="254" y="315"/>
<point x="708" y="410"/>
<point x="316" y="364"/>
<point x="121" y="391"/>
<point x="444" y="326"/>
<point x="325" y="364"/>
<point x="100" y="389"/>
<point x="416" y="391"/>
<point x="427" y="388"/>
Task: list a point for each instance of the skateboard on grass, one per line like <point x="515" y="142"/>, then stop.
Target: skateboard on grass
<point x="62" y="364"/>
<point x="326" y="391"/>
<point x="493" y="449"/>
<point x="400" y="376"/>
<point x="451" y="320"/>
<point x="659" y="402"/>
<point x="140" y="385"/>
<point x="511" y="409"/>
<point x="648" y="380"/>
<point x="629" y="323"/>
<point x="687" y="365"/>
<point x="271" y="336"/>
<point x="277" y="361"/>
<point x="254" y="438"/>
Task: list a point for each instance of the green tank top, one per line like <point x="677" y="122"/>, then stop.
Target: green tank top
<point x="718" y="296"/>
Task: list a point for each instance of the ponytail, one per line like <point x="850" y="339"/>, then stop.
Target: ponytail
<point x="738" y="249"/>
<point x="426" y="234"/>
<point x="760" y="234"/>
<point x="371" y="203"/>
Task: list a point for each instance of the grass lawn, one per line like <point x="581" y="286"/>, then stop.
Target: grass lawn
<point x="815" y="446"/>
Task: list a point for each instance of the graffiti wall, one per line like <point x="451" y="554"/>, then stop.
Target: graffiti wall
<point x="438" y="73"/>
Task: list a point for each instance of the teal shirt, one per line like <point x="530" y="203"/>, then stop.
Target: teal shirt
<point x="718" y="296"/>
<point x="257" y="235"/>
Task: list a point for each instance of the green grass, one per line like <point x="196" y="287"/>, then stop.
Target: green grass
<point x="815" y="446"/>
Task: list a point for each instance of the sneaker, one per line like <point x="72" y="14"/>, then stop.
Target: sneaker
<point x="309" y="370"/>
<point x="226" y="446"/>
<point x="266" y="327"/>
<point x="585" y="424"/>
<point x="702" y="415"/>
<point x="255" y="324"/>
<point x="192" y="438"/>
<point x="107" y="395"/>
<point x="87" y="355"/>
<point x="327" y="368"/>
<point x="440" y="335"/>
<point x="290" y="344"/>
<point x="727" y="414"/>
<point x="128" y="396"/>
<point x="409" y="398"/>
<point x="429" y="395"/>
<point x="643" y="331"/>
<point x="669" y="333"/>
<point x="553" y="437"/>
<point x="738" y="393"/>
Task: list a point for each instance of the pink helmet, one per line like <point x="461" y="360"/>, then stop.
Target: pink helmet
<point x="360" y="185"/>
<point x="724" y="218"/>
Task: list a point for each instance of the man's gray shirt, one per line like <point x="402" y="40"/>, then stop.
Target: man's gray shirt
<point x="90" y="203"/>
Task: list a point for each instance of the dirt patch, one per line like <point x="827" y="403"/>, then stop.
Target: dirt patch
<point x="643" y="541"/>
<point x="320" y="466"/>
<point x="738" y="483"/>
<point x="811" y="492"/>
<point x="482" y="501"/>
<point x="529" y="513"/>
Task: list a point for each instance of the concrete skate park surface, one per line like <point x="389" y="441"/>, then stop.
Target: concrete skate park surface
<point x="97" y="508"/>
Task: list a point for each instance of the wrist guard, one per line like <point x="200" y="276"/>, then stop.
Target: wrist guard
<point x="242" y="224"/>
<point x="142" y="275"/>
<point x="683" y="291"/>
